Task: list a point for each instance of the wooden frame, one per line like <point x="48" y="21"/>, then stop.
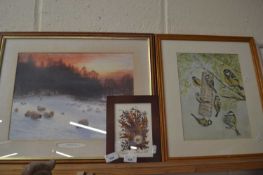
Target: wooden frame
<point x="167" y="47"/>
<point x="12" y="43"/>
<point x="145" y="137"/>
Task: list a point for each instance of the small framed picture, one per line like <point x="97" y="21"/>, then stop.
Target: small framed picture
<point x="133" y="127"/>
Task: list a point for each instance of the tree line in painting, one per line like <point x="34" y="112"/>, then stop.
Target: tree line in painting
<point x="56" y="77"/>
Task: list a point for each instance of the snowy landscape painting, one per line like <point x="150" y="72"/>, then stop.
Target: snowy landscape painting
<point x="53" y="89"/>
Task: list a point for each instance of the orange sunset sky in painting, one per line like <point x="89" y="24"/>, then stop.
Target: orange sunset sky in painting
<point x="106" y="64"/>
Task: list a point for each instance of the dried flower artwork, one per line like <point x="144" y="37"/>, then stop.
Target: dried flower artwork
<point x="134" y="129"/>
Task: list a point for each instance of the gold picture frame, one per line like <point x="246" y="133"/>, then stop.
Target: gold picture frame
<point x="138" y="46"/>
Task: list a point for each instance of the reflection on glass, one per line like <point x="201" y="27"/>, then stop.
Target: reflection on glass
<point x="133" y="147"/>
<point x="87" y="127"/>
<point x="1" y="121"/>
<point x="9" y="155"/>
<point x="63" y="154"/>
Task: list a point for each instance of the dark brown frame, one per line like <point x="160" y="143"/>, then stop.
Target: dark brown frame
<point x="110" y="138"/>
<point x="230" y="159"/>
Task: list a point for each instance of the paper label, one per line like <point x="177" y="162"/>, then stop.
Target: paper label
<point x="132" y="158"/>
<point x="111" y="157"/>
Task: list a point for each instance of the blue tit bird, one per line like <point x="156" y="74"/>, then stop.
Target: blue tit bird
<point x="210" y="82"/>
<point x="231" y="79"/>
<point x="200" y="99"/>
<point x="202" y="121"/>
<point x="217" y="104"/>
<point x="196" y="81"/>
<point x="230" y="120"/>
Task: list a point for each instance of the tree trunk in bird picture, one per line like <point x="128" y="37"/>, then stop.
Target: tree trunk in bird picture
<point x="206" y="95"/>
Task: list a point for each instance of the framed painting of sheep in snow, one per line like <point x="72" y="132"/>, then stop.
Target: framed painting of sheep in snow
<point x="212" y="90"/>
<point x="133" y="127"/>
<point x="54" y="88"/>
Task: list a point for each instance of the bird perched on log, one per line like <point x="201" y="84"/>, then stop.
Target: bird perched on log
<point x="202" y="121"/>
<point x="231" y="79"/>
<point x="230" y="119"/>
<point x="210" y="82"/>
<point x="196" y="81"/>
<point x="217" y="105"/>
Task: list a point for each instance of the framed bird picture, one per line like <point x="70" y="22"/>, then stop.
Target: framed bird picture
<point x="133" y="128"/>
<point x="210" y="96"/>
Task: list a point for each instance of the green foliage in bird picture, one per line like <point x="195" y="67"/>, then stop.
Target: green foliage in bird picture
<point x="192" y="64"/>
<point x="211" y="85"/>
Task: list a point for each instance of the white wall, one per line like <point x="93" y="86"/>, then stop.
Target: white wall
<point x="215" y="17"/>
<point x="211" y="17"/>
